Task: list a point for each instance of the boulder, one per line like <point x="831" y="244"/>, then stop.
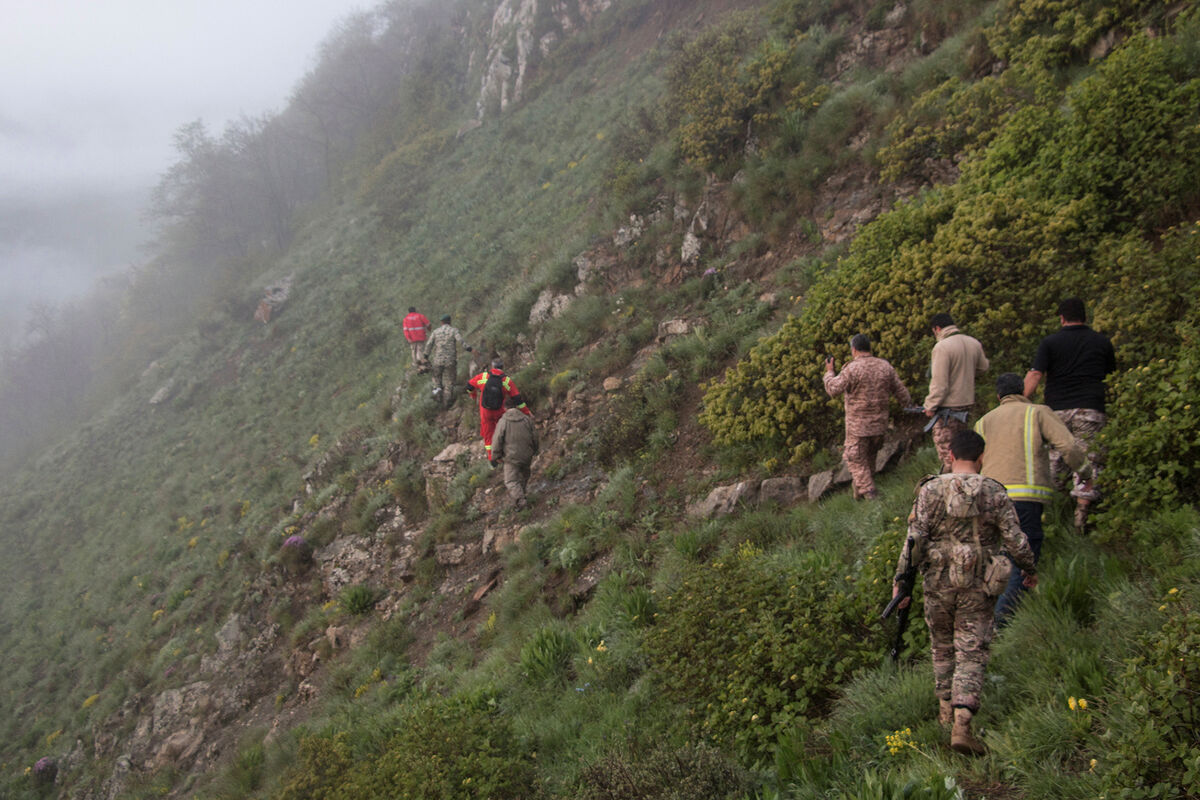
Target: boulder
<point x="724" y="499"/>
<point x="673" y="327"/>
<point x="450" y="555"/>
<point x="819" y="484"/>
<point x="612" y="384"/>
<point x="548" y="306"/>
<point x="782" y="491"/>
<point x="887" y="454"/>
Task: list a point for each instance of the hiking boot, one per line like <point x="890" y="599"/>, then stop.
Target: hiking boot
<point x="945" y="713"/>
<point x="961" y="738"/>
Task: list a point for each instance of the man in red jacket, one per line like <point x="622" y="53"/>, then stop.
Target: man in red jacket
<point x="491" y="387"/>
<point x="416" y="326"/>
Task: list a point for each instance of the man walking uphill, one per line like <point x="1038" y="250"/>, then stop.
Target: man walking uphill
<point x="492" y="387"/>
<point x="868" y="382"/>
<point x="958" y="525"/>
<point x="1017" y="433"/>
<point x="443" y="345"/>
<point x="515" y="443"/>
<point x="416" y="328"/>
<point x="953" y="365"/>
<point x="1075" y="361"/>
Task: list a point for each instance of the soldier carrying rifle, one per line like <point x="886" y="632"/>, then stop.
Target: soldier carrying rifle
<point x="960" y="526"/>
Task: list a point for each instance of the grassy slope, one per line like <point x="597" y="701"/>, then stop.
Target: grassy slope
<point x="174" y="508"/>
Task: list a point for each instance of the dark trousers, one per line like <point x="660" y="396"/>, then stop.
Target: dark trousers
<point x="1030" y="516"/>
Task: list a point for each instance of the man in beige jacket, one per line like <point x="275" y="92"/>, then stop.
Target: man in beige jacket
<point x="1017" y="434"/>
<point x="956" y="360"/>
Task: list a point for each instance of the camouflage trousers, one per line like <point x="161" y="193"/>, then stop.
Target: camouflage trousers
<point x="1084" y="424"/>
<point x="960" y="631"/>
<point x="860" y="453"/>
<point x="417" y="351"/>
<point x="516" y="476"/>
<point x="943" y="431"/>
<point x="442" y="378"/>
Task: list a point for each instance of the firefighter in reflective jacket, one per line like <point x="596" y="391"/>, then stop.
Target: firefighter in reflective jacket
<point x="491" y="400"/>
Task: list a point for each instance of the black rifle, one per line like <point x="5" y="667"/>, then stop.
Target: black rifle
<point x="905" y="582"/>
<point x="941" y="414"/>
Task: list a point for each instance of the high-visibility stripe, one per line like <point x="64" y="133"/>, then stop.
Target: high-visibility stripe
<point x="1029" y="490"/>
<point x="1023" y="491"/>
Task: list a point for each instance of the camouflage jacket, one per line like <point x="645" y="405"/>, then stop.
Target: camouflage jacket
<point x="868" y="382"/>
<point x="442" y="344"/>
<point x="958" y="523"/>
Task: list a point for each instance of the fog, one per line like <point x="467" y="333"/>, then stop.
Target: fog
<point x="90" y="96"/>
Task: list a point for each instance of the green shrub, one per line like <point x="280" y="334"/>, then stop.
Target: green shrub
<point x="546" y="657"/>
<point x="717" y="91"/>
<point x="1153" y="452"/>
<point x="692" y="772"/>
<point x="754" y="647"/>
<point x="444" y="749"/>
<point x="1149" y="743"/>
<point x="358" y="599"/>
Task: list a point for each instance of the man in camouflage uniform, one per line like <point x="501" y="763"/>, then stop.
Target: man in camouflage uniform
<point x="953" y="365"/>
<point x="868" y="382"/>
<point x="443" y="362"/>
<point x="1075" y="361"/>
<point x="957" y="528"/>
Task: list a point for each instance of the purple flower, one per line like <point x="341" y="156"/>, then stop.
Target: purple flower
<point x="710" y="271"/>
<point x="295" y="540"/>
<point x="45" y="770"/>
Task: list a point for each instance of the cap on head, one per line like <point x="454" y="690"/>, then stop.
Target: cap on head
<point x="445" y="317"/>
<point x="497" y="363"/>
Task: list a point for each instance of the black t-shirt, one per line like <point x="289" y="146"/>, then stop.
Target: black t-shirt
<point x="1075" y="360"/>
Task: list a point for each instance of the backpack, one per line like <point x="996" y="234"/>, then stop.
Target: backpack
<point x="493" y="392"/>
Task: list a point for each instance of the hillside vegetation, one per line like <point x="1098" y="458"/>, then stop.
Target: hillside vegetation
<point x="778" y="176"/>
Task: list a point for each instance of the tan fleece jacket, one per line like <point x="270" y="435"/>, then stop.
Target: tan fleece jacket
<point x="956" y="360"/>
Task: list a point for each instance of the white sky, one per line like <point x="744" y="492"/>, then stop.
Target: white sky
<point x="91" y="91"/>
<point x="91" y="94"/>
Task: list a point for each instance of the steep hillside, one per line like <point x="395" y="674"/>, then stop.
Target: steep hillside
<point x="265" y="564"/>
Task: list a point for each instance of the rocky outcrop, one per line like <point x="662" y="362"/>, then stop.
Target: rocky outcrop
<point x="522" y="33"/>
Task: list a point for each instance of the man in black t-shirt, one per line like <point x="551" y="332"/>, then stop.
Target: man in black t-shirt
<point x="1075" y="361"/>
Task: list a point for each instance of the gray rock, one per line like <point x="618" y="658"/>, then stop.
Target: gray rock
<point x="673" y="327"/>
<point x="887" y="453"/>
<point x="450" y="555"/>
<point x="783" y="491"/>
<point x="819" y="484"/>
<point x="722" y="500"/>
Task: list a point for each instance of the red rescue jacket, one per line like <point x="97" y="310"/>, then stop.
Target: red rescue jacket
<point x="415" y="326"/>
<point x="476" y="384"/>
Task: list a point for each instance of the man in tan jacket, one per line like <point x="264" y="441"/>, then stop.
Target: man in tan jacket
<point x="956" y="360"/>
<point x="1017" y="434"/>
<point x="515" y="443"/>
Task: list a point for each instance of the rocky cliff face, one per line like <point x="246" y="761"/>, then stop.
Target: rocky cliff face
<point x="523" y="32"/>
